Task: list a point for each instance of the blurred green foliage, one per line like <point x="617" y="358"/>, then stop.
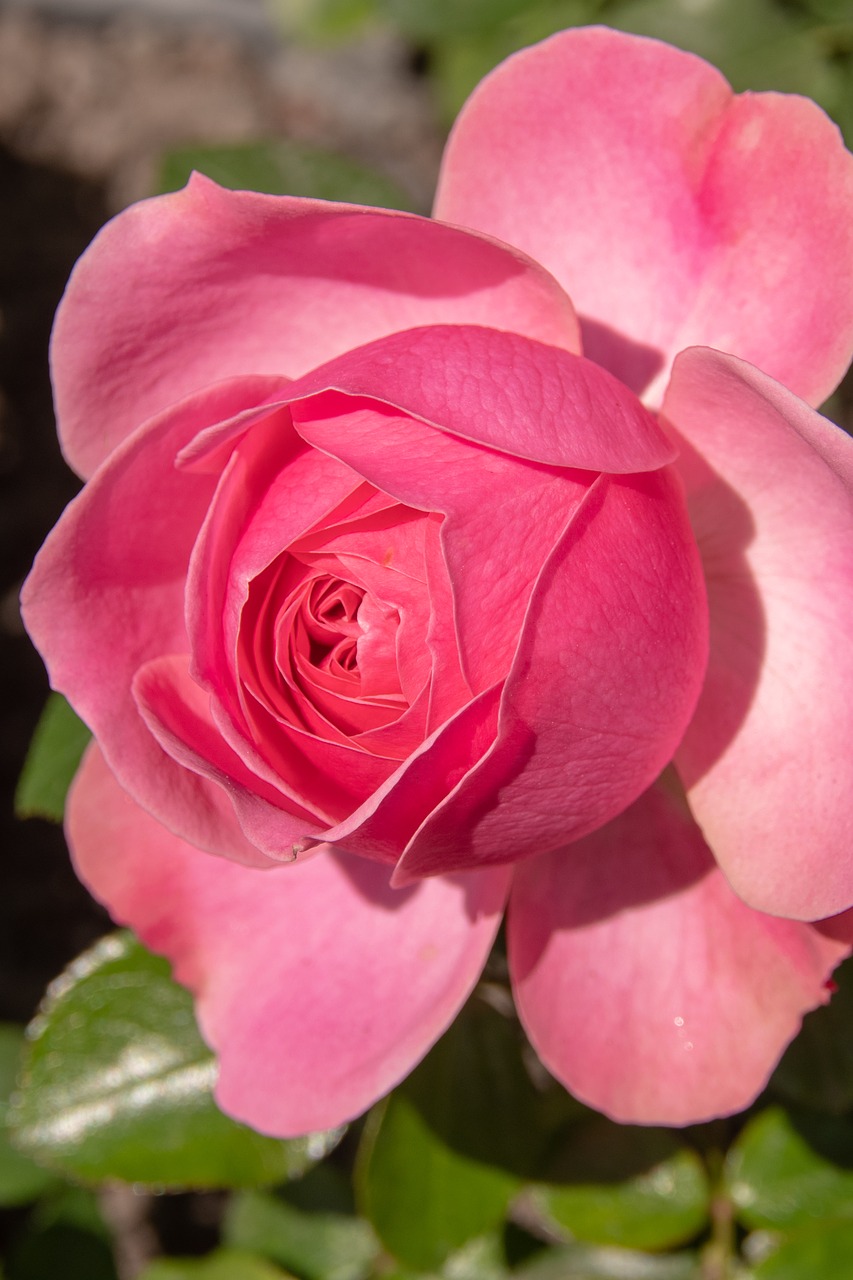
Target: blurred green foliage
<point x="55" y="752"/>
<point x="796" y="46"/>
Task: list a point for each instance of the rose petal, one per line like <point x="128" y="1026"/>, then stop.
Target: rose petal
<point x="607" y="672"/>
<point x="218" y="283"/>
<point x="317" y="985"/>
<point x="492" y="564"/>
<point x="673" y="213"/>
<point x="106" y="594"/>
<point x="503" y="390"/>
<point x="767" y="757"/>
<point x="646" y="986"/>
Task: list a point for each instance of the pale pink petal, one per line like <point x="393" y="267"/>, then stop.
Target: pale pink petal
<point x="767" y="758"/>
<point x="646" y="986"/>
<point x="672" y="212"/>
<point x="185" y="289"/>
<point x="608" y="669"/>
<point x="318" y="986"/>
<point x="106" y="595"/>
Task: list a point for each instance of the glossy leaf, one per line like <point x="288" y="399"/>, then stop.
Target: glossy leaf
<point x="283" y="168"/>
<point x="817" y="1069"/>
<point x="317" y="1245"/>
<point x="117" y="1084"/>
<point x="636" y="1187"/>
<point x="821" y="1252"/>
<point x="20" y="1179"/>
<point x="785" y="1170"/>
<point x="224" y="1264"/>
<point x="57" y="746"/>
<point x="588" y="1262"/>
<point x="442" y="1156"/>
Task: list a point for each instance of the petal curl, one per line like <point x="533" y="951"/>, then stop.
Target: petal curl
<point x="506" y="391"/>
<point x="766" y="759"/>
<point x="673" y="213"/>
<point x="106" y="595"/>
<point x="317" y="985"/>
<point x="216" y="284"/>
<point x="608" y="668"/>
<point x="646" y="986"/>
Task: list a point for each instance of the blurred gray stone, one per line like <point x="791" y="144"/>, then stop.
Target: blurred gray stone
<point x="247" y="16"/>
<point x="104" y="91"/>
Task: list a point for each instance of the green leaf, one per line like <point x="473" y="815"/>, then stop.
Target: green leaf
<point x="57" y="746"/>
<point x="785" y="1171"/>
<point x="459" y="61"/>
<point x="117" y="1084"/>
<point x="20" y="1179"/>
<point x="823" y="1252"/>
<point x="224" y="1264"/>
<point x="65" y="1236"/>
<point x="817" y="1069"/>
<point x="443" y="1154"/>
<point x="317" y="1245"/>
<point x="636" y="1187"/>
<point x="441" y="19"/>
<point x="283" y="168"/>
<point x="586" y="1262"/>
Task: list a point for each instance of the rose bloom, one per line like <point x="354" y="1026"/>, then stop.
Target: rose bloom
<point x="388" y="607"/>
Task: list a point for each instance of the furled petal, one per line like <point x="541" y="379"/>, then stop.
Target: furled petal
<point x="646" y="986"/>
<point x="106" y="595"/>
<point x="318" y="986"/>
<point x="504" y="390"/>
<point x="767" y="758"/>
<point x="218" y="283"/>
<point x="608" y="668"/>
<point x="492" y="563"/>
<point x="672" y="212"/>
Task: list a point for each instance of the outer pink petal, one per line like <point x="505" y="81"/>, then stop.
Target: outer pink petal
<point x="185" y="289"/>
<point x="767" y="758"/>
<point x="318" y="986"/>
<point x="106" y="595"/>
<point x="646" y="986"/>
<point x="608" y="668"/>
<point x="673" y="213"/>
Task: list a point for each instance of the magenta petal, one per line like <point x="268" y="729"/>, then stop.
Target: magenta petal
<point x="673" y="213"/>
<point x="767" y="758"/>
<point x="317" y="985"/>
<point x="431" y="469"/>
<point x="646" y="986"/>
<point x="217" y="283"/>
<point x="607" y="672"/>
<point x="180" y="716"/>
<point x="503" y="390"/>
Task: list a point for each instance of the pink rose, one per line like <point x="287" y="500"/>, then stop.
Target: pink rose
<point x="383" y="593"/>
